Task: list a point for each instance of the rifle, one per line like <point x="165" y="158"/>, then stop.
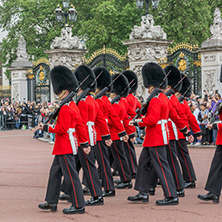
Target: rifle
<point x="55" y="113"/>
<point x="106" y="89"/>
<point x="216" y="113"/>
<point x="117" y="98"/>
<point x="155" y="92"/>
<point x="87" y="90"/>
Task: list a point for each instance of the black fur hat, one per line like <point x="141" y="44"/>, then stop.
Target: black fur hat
<point x="153" y="75"/>
<point x="120" y="86"/>
<point x="104" y="79"/>
<point x="174" y="77"/>
<point x="81" y="73"/>
<point x="63" y="79"/>
<point x="186" y="89"/>
<point x="130" y="75"/>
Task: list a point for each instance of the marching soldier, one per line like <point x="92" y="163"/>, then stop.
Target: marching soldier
<point x="68" y="125"/>
<point x="182" y="149"/>
<point x="156" y="139"/>
<point x="101" y="150"/>
<point x="91" y="115"/>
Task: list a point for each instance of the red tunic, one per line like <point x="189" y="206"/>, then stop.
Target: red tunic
<point x="92" y="115"/>
<point x="155" y="121"/>
<point x="172" y="127"/>
<point x="69" y="118"/>
<point x="129" y="114"/>
<point x="111" y="117"/>
<point x="133" y="101"/>
<point x="219" y="132"/>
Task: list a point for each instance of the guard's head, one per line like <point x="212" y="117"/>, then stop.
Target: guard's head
<point x="153" y="75"/>
<point x="81" y="73"/>
<point x="104" y="78"/>
<point x="62" y="78"/>
<point x="132" y="79"/>
<point x="120" y="85"/>
<point x="174" y="77"/>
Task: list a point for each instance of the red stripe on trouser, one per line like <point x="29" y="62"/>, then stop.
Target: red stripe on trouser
<point x="163" y="172"/>
<point x="74" y="190"/>
<point x="120" y="161"/>
<point x="90" y="175"/>
<point x="103" y="165"/>
<point x="174" y="168"/>
<point x="184" y="160"/>
<point x="131" y="157"/>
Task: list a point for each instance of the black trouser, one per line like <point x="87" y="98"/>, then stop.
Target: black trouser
<point x="131" y="156"/>
<point x="174" y="164"/>
<point x="214" y="181"/>
<point x="120" y="159"/>
<point x="90" y="172"/>
<point x="158" y="157"/>
<point x="101" y="151"/>
<point x="185" y="161"/>
<point x="64" y="165"/>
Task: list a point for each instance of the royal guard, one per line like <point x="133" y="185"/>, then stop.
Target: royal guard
<point x="104" y="82"/>
<point x="120" y="89"/>
<point x="68" y="125"/>
<point x="156" y="139"/>
<point x="182" y="148"/>
<point x="91" y="115"/>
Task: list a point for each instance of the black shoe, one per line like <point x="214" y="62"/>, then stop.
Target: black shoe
<point x="74" y="210"/>
<point x="190" y="184"/>
<point x="180" y="193"/>
<point x="151" y="191"/>
<point x="86" y="191"/>
<point x="139" y="197"/>
<point x="108" y="193"/>
<point x="124" y="185"/>
<point x="64" y="197"/>
<point x="168" y="201"/>
<point x="48" y="206"/>
<point x="118" y="181"/>
<point x="94" y="201"/>
<point x="209" y="196"/>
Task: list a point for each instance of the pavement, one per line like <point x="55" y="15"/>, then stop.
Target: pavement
<point x="24" y="166"/>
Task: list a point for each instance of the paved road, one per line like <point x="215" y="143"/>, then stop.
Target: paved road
<point x="24" y="167"/>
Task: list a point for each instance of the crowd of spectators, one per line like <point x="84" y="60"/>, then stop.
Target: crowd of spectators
<point x="202" y="108"/>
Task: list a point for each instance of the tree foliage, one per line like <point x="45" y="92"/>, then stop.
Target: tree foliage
<point x="100" y="22"/>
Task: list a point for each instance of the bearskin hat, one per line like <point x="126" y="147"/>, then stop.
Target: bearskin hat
<point x="63" y="79"/>
<point x="130" y="75"/>
<point x="104" y="79"/>
<point x="153" y="75"/>
<point x="174" y="77"/>
<point x="121" y="85"/>
<point x="186" y="89"/>
<point x="81" y="74"/>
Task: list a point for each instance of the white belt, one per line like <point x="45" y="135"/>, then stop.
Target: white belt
<point x="163" y="128"/>
<point x="174" y="129"/>
<point x="73" y="140"/>
<point x="91" y="134"/>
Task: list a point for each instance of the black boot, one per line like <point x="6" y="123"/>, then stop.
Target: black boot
<point x="151" y="191"/>
<point x="74" y="210"/>
<point x="141" y="196"/>
<point x="94" y="201"/>
<point x="190" y="184"/>
<point x="180" y="193"/>
<point x="168" y="201"/>
<point x="208" y="197"/>
<point x="48" y="206"/>
<point x="108" y="193"/>
<point x="64" y="197"/>
<point x="124" y="185"/>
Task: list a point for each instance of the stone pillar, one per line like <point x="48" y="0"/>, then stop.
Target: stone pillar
<point x="211" y="57"/>
<point x="66" y="50"/>
<point x="147" y="43"/>
<point x="18" y="72"/>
